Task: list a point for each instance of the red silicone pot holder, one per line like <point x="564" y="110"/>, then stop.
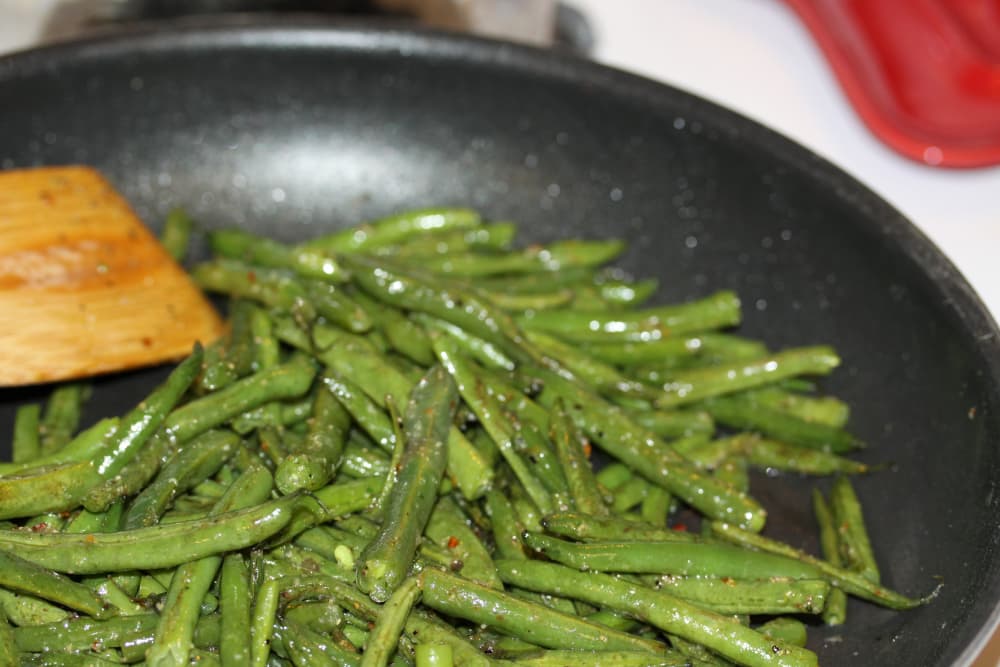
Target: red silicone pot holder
<point x="923" y="74"/>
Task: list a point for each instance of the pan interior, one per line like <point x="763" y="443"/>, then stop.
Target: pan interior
<point x="290" y="132"/>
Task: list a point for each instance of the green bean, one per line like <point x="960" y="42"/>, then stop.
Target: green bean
<point x="62" y="415"/>
<point x="487" y="408"/>
<point x="289" y="380"/>
<point x="539" y="282"/>
<point x="494" y="236"/>
<point x="8" y="647"/>
<point x="656" y="506"/>
<point x="505" y="526"/>
<point x="676" y="350"/>
<point x="265" y="610"/>
<point x="241" y="245"/>
<point x="710" y="454"/>
<point x="453" y="302"/>
<point x="725" y="595"/>
<point x="196" y="461"/>
<point x="532" y="443"/>
<point x="402" y="333"/>
<point x="132" y="478"/>
<point x="855" y="546"/>
<point x="789" y="630"/>
<point x="569" y="658"/>
<point x="482" y="351"/>
<point x="394" y="229"/>
<point x="361" y="461"/>
<point x="312" y="465"/>
<point x="699" y="383"/>
<point x="24" y="610"/>
<point x="139" y="425"/>
<point x="734" y="471"/>
<point x="82" y="633"/>
<point x="629" y="495"/>
<point x="605" y="378"/>
<point x="332" y="501"/>
<point x="698" y="654"/>
<point x="290" y="413"/>
<point x="26" y="444"/>
<point x="153" y="547"/>
<point x="310" y="649"/>
<point x="835" y="611"/>
<point x="106" y="657"/>
<point x="593" y="528"/>
<point x="421" y="627"/>
<point x="671" y="424"/>
<point x="274" y="288"/>
<point x="827" y="410"/>
<point x="525" y="620"/>
<point x="613" y="475"/>
<point x="572" y="451"/>
<point x="19" y="575"/>
<point x="191" y="581"/>
<point x="370" y="416"/>
<point x="448" y="529"/>
<point x="391" y="618"/>
<point x="744" y="413"/>
<point x="520" y="302"/>
<point x="670" y="614"/>
<point x="774" y="455"/>
<point x="354" y="358"/>
<point x="434" y="655"/>
<point x="240" y="349"/>
<point x="852" y="583"/>
<point x="82" y="448"/>
<point x="713" y="312"/>
<point x="56" y="487"/>
<point x="642" y="450"/>
<point x="670" y="557"/>
<point x="383" y="565"/>
<point x="324" y="616"/>
<point x="234" y="606"/>
<point x="216" y="369"/>
<point x="620" y="292"/>
<point x="552" y="257"/>
<point x="337" y="307"/>
<point x="176" y="233"/>
<point x="330" y="543"/>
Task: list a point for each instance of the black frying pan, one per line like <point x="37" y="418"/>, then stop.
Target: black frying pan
<point x="294" y="129"/>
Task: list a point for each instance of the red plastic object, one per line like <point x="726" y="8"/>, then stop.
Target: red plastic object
<point x="923" y="74"/>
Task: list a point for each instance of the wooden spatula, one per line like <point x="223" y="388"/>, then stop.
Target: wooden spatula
<point x="85" y="288"/>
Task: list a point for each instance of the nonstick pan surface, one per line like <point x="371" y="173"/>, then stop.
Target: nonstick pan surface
<point x="290" y="129"/>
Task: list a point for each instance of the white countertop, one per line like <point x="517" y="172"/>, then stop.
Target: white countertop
<point x="755" y="57"/>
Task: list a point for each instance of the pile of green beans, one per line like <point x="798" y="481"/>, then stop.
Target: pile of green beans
<point x="419" y="445"/>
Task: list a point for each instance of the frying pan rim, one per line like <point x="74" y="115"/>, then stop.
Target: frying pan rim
<point x="324" y="33"/>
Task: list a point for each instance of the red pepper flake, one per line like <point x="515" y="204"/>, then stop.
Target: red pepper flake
<point x="680" y="527"/>
<point x="452" y="542"/>
<point x="251" y="276"/>
<point x="89" y="539"/>
<point x="40" y="527"/>
<point x="588" y="449"/>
